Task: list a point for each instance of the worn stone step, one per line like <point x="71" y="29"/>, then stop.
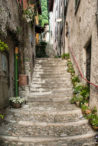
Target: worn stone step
<point x="29" y="128"/>
<point x="43" y="98"/>
<point x="47" y="86"/>
<point x="80" y="140"/>
<point x="51" y="106"/>
<point x="51" y="84"/>
<point x="64" y="91"/>
<point x="37" y="94"/>
<point x="43" y="116"/>
<point x="47" y="99"/>
<point x="51" y="64"/>
<point x="51" y="77"/>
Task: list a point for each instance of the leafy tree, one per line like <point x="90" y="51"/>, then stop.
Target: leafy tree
<point x="43" y="19"/>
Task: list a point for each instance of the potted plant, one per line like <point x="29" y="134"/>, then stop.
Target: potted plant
<point x="16" y="102"/>
<point x="94" y="123"/>
<point x="65" y="56"/>
<point x="85" y="109"/>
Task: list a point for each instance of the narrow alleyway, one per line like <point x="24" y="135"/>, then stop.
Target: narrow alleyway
<point x="48" y="118"/>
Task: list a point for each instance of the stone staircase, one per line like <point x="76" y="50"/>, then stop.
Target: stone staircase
<point x="48" y="118"/>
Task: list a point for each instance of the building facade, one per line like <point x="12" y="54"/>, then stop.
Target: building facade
<point x="81" y="39"/>
<point x="17" y="30"/>
<point x="57" y="26"/>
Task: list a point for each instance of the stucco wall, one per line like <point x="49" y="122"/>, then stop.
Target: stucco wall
<point x="81" y="27"/>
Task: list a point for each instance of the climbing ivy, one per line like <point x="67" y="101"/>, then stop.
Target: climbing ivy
<point x="3" y="46"/>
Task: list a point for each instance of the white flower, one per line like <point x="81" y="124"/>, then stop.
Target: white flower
<point x="16" y="99"/>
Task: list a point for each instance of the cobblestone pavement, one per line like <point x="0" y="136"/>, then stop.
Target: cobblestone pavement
<point x="48" y="118"/>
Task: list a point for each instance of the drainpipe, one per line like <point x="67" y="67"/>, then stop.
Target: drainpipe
<point x="97" y="17"/>
<point x="16" y="71"/>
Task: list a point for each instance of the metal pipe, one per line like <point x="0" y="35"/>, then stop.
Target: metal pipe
<point x="97" y="17"/>
<point x="16" y="72"/>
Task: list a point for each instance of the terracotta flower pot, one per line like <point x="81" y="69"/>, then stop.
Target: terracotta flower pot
<point x="23" y="80"/>
<point x="95" y="128"/>
<point x="15" y="105"/>
<point x="88" y="111"/>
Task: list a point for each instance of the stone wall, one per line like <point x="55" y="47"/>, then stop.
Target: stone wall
<point x="82" y="30"/>
<point x="9" y="16"/>
<point x="9" y="24"/>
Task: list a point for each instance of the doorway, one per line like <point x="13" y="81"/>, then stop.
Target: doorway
<point x="88" y="61"/>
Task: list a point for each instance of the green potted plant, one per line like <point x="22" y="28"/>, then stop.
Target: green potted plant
<point x="85" y="109"/>
<point x="94" y="121"/>
<point x="16" y="102"/>
<point x="65" y="56"/>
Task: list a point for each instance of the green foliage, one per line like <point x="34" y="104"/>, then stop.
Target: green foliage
<point x="84" y="107"/>
<point x="43" y="19"/>
<point x="3" y="46"/>
<point x="77" y="98"/>
<point x="75" y="79"/>
<point x="1" y="116"/>
<point x="78" y="88"/>
<point x="65" y="56"/>
<point x="93" y="118"/>
<point x="29" y="14"/>
<point x="94" y="110"/>
<point x="70" y="66"/>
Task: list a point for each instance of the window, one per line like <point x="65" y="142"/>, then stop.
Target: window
<point x="4" y="63"/>
<point x="77" y="2"/>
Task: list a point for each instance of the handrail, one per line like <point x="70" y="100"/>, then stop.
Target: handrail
<point x="82" y="76"/>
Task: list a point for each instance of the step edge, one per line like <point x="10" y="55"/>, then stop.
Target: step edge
<point x="43" y="139"/>
<point x="44" y="124"/>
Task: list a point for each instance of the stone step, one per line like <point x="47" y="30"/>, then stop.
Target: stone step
<point x="44" y="84"/>
<point x="51" y="106"/>
<point x="51" y="77"/>
<point x="43" y="116"/>
<point x="57" y="98"/>
<point x="48" y="99"/>
<point x="79" y="140"/>
<point x="29" y="128"/>
<point x="49" y="93"/>
<point x="51" y="81"/>
<point x="64" y="91"/>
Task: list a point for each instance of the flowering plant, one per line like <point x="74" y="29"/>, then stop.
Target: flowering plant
<point x="16" y="99"/>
